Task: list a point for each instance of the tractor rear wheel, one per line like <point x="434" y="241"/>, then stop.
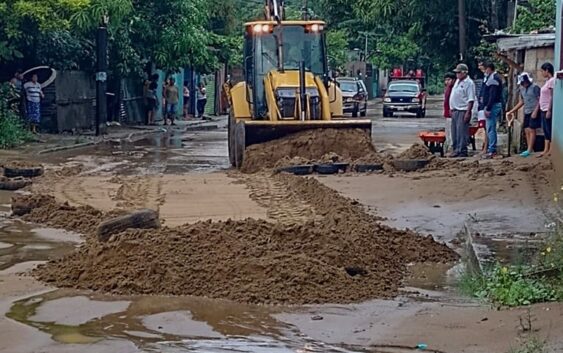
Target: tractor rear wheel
<point x="231" y="139"/>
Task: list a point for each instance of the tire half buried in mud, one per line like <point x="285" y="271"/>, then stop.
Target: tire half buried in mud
<point x="13" y="184"/>
<point x="26" y="172"/>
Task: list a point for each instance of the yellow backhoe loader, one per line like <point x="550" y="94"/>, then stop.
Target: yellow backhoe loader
<point x="287" y="85"/>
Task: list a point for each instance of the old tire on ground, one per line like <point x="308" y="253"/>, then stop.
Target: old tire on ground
<point x="326" y="169"/>
<point x="342" y="167"/>
<point x="239" y="143"/>
<point x="298" y="169"/>
<point x="231" y="138"/>
<point x="367" y="168"/>
<point x="14" y="183"/>
<point x="141" y="219"/>
<point x="29" y="172"/>
<point x="410" y="165"/>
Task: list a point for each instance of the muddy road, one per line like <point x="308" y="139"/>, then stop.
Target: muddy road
<point x="184" y="174"/>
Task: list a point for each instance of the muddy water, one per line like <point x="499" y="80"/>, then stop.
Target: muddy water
<point x="173" y="152"/>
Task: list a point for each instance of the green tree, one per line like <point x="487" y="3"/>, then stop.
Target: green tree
<point x="538" y="14"/>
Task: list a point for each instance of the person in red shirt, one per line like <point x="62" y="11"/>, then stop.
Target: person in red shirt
<point x="449" y="80"/>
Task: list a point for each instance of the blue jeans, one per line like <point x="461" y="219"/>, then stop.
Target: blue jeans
<point x="492" y="128"/>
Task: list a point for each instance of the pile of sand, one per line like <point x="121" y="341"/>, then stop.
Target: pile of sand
<point x="310" y="145"/>
<point x="345" y="255"/>
<point x="416" y="151"/>
<point x="44" y="209"/>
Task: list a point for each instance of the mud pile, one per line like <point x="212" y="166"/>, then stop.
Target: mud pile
<point x="310" y="145"/>
<point x="43" y="209"/>
<point x="21" y="165"/>
<point x="344" y="255"/>
<point x="416" y="151"/>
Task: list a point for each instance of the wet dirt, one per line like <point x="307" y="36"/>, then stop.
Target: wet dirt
<point x="309" y="145"/>
<point x="416" y="151"/>
<point x="345" y="256"/>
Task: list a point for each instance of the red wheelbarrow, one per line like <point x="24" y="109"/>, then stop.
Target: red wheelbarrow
<point x="434" y="141"/>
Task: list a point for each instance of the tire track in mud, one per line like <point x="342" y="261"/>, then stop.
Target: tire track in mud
<point x="282" y="204"/>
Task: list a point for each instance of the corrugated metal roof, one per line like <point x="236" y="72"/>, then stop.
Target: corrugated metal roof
<point x="526" y="41"/>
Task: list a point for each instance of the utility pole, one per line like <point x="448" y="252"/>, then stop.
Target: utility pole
<point x="462" y="29"/>
<point x="101" y="76"/>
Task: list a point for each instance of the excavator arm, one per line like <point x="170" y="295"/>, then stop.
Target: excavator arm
<point x="274" y="10"/>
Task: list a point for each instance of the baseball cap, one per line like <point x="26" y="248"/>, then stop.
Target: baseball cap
<point x="524" y="77"/>
<point x="461" y="68"/>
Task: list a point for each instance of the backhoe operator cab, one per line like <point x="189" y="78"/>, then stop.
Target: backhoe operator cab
<point x="299" y="42"/>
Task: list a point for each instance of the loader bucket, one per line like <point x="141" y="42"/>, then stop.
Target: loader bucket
<point x="263" y="131"/>
<point x="248" y="133"/>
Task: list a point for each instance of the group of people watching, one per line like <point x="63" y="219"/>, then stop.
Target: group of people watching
<point x="171" y="99"/>
<point x="463" y="102"/>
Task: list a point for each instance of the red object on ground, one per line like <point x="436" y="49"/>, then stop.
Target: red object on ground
<point x="473" y="130"/>
<point x="428" y="136"/>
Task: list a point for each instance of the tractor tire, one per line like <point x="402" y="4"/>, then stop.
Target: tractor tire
<point x="298" y="169"/>
<point x="231" y="138"/>
<point x="142" y="219"/>
<point x="14" y="184"/>
<point x="239" y="144"/>
<point x="326" y="169"/>
<point x="368" y="168"/>
<point x="30" y="172"/>
<point x="410" y="165"/>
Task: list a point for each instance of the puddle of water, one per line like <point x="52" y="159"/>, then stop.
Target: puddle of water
<point x="30" y="244"/>
<point x="163" y="324"/>
<point x="513" y="249"/>
<point x="173" y="153"/>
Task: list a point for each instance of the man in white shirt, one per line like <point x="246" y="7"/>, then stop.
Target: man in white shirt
<point x="462" y="101"/>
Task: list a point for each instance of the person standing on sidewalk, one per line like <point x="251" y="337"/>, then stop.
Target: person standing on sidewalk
<point x="201" y="100"/>
<point x="546" y="106"/>
<point x="493" y="107"/>
<point x="449" y="80"/>
<point x="33" y="95"/>
<point x="172" y="99"/>
<point x="529" y="98"/>
<point x="462" y="100"/>
<point x="186" y="92"/>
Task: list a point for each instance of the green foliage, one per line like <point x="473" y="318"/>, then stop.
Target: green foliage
<point x="337" y="43"/>
<point x="533" y="345"/>
<point x="538" y="14"/>
<point x="12" y="131"/>
<point x="510" y="286"/>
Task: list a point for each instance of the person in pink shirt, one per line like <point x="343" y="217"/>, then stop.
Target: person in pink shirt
<point x="546" y="106"/>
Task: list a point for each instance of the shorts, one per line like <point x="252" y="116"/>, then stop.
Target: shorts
<point x="171" y="108"/>
<point x="186" y="101"/>
<point x="530" y="123"/>
<point x="546" y="125"/>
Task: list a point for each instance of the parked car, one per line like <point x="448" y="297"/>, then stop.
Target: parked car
<point x="405" y="96"/>
<point x="354" y="95"/>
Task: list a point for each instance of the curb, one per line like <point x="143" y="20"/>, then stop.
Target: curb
<point x="95" y="143"/>
<point x="473" y="263"/>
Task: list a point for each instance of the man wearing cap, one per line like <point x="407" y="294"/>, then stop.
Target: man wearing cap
<point x="462" y="100"/>
<point x="529" y="98"/>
